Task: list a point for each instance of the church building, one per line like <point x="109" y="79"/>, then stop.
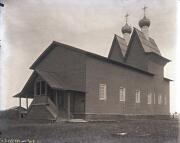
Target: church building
<point x="68" y="82"/>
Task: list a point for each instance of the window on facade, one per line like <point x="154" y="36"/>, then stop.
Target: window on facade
<point x="122" y="94"/>
<point x="154" y="98"/>
<point x="43" y="87"/>
<point x="40" y="88"/>
<point x="138" y="96"/>
<point x="149" y="98"/>
<point x="102" y="91"/>
<point x="160" y="99"/>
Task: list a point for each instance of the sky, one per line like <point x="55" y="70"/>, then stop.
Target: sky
<point x="29" y="26"/>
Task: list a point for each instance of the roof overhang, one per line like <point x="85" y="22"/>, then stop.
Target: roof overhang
<point x="167" y="79"/>
<point x="53" y="79"/>
<point x="21" y="95"/>
<point x="163" y="60"/>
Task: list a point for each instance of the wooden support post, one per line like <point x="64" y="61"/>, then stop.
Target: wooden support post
<point x="57" y="99"/>
<point x="27" y="103"/>
<point x="69" y="104"/>
<point x="20" y="107"/>
<point x="20" y="102"/>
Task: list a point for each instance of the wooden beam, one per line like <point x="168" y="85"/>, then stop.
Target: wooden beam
<point x="19" y="101"/>
<point x="69" y="105"/>
<point x="26" y="103"/>
<point x="20" y="106"/>
<point x="57" y="99"/>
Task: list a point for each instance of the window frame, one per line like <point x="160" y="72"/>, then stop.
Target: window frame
<point x="149" y="98"/>
<point x="43" y="91"/>
<point x="122" y="94"/>
<point x="154" y="98"/>
<point x="102" y="91"/>
<point x="138" y="96"/>
<point x="159" y="99"/>
<point x="39" y="90"/>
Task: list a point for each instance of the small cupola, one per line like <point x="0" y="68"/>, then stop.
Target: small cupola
<point x="144" y="24"/>
<point x="126" y="30"/>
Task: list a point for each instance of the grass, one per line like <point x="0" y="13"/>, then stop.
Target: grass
<point x="136" y="131"/>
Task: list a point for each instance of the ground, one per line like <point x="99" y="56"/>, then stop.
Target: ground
<point x="126" y="131"/>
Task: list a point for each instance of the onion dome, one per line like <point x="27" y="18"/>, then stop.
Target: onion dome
<point x="126" y="29"/>
<point x="144" y="22"/>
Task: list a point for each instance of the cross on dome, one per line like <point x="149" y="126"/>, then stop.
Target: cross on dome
<point x="126" y="16"/>
<point x="144" y="8"/>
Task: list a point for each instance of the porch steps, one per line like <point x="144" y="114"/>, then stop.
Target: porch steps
<point x="52" y="108"/>
<point x="42" y="108"/>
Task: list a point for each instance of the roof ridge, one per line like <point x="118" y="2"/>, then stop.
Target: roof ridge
<point x="148" y="45"/>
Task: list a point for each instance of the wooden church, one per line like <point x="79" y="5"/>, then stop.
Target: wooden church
<point x="71" y="83"/>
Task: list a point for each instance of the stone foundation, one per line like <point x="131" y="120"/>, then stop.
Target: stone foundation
<point x="112" y="117"/>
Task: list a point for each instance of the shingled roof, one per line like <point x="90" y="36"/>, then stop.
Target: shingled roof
<point x="28" y="88"/>
<point x="93" y="55"/>
<point x="149" y="45"/>
<point x="122" y="43"/>
<point x="52" y="78"/>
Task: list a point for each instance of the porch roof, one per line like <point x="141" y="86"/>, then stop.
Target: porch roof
<point x="54" y="80"/>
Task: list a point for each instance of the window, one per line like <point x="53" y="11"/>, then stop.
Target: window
<point x="43" y="87"/>
<point x="102" y="91"/>
<point x="122" y="94"/>
<point x="40" y="88"/>
<point x="154" y="98"/>
<point x="138" y="96"/>
<point x="159" y="99"/>
<point x="149" y="98"/>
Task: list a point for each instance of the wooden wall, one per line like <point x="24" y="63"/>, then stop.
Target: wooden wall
<point x="116" y="77"/>
<point x="68" y="64"/>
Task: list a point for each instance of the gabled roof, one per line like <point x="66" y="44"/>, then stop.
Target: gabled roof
<point x="148" y="45"/>
<point x="59" y="45"/>
<point x="46" y="52"/>
<point x="118" y="49"/>
<point x="122" y="44"/>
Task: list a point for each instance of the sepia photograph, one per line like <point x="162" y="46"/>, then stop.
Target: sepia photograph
<point x="89" y="71"/>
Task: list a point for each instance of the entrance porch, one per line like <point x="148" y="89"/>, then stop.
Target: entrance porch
<point x="57" y="104"/>
<point x="52" y="97"/>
